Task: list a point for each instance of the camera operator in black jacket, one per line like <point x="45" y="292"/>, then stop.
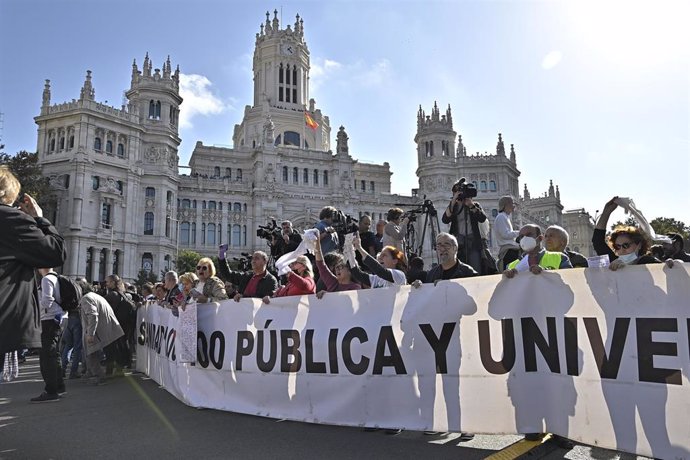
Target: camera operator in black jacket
<point x="286" y="240"/>
<point x="464" y="217"/>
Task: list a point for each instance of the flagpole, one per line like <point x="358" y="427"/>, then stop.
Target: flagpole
<point x="304" y="129"/>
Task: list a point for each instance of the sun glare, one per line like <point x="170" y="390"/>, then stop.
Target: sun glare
<point x="632" y="32"/>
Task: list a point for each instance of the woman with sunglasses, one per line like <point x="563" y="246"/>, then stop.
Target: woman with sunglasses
<point x="340" y="279"/>
<point x="300" y="280"/>
<point x="628" y="245"/>
<point x="209" y="288"/>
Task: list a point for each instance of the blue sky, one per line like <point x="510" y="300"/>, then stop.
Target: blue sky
<point x="594" y="95"/>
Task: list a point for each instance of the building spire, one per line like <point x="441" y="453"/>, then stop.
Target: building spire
<point x="500" y="148"/>
<point x="46" y="94"/>
<point x="551" y="189"/>
<point x="512" y="153"/>
<point x="276" y="22"/>
<point x="167" y="68"/>
<point x="461" y="148"/>
<point x="525" y="193"/>
<point x="147" y="65"/>
<point x="87" y="91"/>
<point x="558" y="194"/>
<point x="449" y="117"/>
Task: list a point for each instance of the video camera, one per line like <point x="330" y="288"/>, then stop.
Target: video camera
<point x="267" y="232"/>
<point x="466" y="189"/>
<point x="425" y="207"/>
<point x="344" y="223"/>
<point x="245" y="262"/>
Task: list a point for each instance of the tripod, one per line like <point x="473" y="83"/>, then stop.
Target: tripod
<point x="430" y="220"/>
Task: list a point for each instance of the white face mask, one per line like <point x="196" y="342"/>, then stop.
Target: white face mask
<point x="527" y="243"/>
<point x="628" y="258"/>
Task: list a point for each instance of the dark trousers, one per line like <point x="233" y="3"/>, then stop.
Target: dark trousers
<point x="49" y="357"/>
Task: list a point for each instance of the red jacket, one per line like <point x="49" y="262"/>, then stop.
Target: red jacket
<point x="297" y="285"/>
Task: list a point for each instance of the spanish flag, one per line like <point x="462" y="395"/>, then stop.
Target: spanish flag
<point x="309" y="121"/>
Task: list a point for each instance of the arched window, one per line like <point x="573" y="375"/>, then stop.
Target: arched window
<point x="431" y="148"/>
<point x="203" y="234"/>
<point x="295" y="175"/>
<point x="244" y="207"/>
<point x="152" y="109"/>
<point x="167" y="226"/>
<point x="239" y="175"/>
<point x="158" y="110"/>
<point x="169" y="197"/>
<point x="150" y="192"/>
<point x="228" y="172"/>
<point x="211" y="205"/>
<point x="184" y="204"/>
<point x="184" y="233"/>
<point x="52" y="145"/>
<point x="325" y="178"/>
<point x="236" y="229"/>
<point x="120" y="149"/>
<point x="482" y="186"/>
<point x="316" y="177"/>
<point x="62" y="143"/>
<point x="371" y="186"/>
<point x="364" y="185"/>
<point x="96" y="144"/>
<point x="116" y="262"/>
<point x="285" y="174"/>
<point x="193" y="204"/>
<point x="305" y="176"/>
<point x="71" y="142"/>
<point x="203" y="204"/>
<point x="216" y="171"/>
<point x="193" y="232"/>
<point x="229" y="240"/>
<point x="492" y="185"/>
<point x="278" y="140"/>
<point x="147" y="262"/>
<point x="291" y="138"/>
<point x="237" y="207"/>
<point x="95" y="182"/>
<point x="211" y="234"/>
<point x="220" y="205"/>
<point x="120" y="186"/>
<point x="109" y="146"/>
<point x="148" y="223"/>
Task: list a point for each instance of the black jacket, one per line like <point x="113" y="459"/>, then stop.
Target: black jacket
<point x="26" y="243"/>
<point x="475" y="219"/>
<point x="267" y="285"/>
<point x="460" y="271"/>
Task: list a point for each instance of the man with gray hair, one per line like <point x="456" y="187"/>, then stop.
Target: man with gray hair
<point x="257" y="283"/>
<point x="449" y="266"/>
<point x="556" y="239"/>
<point x="170" y="283"/>
<point x="509" y="250"/>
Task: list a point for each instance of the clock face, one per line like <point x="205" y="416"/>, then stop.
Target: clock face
<point x="147" y="266"/>
<point x="288" y="49"/>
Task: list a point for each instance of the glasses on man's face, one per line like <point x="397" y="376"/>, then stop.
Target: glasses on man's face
<point x="444" y="245"/>
<point x="201" y="268"/>
<point x="618" y="247"/>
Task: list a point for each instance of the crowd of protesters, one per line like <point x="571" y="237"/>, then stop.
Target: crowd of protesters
<point x="97" y="339"/>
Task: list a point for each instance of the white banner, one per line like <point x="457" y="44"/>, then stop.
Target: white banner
<point x="600" y="357"/>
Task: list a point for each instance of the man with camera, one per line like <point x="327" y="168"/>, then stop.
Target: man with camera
<point x="257" y="283"/>
<point x="464" y="217"/>
<point x="286" y="240"/>
<point x="327" y="234"/>
<point x="396" y="229"/>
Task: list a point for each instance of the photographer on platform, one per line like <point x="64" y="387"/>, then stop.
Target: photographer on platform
<point x="286" y="240"/>
<point x="464" y="217"/>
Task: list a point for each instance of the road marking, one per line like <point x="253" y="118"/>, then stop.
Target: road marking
<point x="517" y="449"/>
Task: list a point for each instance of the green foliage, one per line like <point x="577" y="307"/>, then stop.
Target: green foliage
<point x="186" y="261"/>
<point x="24" y="165"/>
<point x="630" y="221"/>
<point x="664" y="225"/>
<point x="144" y="277"/>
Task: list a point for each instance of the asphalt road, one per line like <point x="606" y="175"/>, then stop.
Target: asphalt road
<point x="132" y="417"/>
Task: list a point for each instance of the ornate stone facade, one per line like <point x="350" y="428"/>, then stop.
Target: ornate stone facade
<point x="123" y="206"/>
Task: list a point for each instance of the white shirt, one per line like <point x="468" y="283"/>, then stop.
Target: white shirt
<point x="503" y="229"/>
<point x="50" y="292"/>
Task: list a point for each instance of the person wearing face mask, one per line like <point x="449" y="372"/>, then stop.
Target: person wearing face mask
<point x="535" y="258"/>
<point x="628" y="245"/>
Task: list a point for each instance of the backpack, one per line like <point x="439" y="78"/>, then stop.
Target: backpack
<point x="70" y="293"/>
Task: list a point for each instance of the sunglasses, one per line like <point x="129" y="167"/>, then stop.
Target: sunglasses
<point x="618" y="247"/>
<point x="201" y="268"/>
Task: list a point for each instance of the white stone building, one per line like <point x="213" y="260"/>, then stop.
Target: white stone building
<point x="122" y="204"/>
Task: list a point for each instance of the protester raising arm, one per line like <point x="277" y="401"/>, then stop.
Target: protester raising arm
<point x="387" y="273"/>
